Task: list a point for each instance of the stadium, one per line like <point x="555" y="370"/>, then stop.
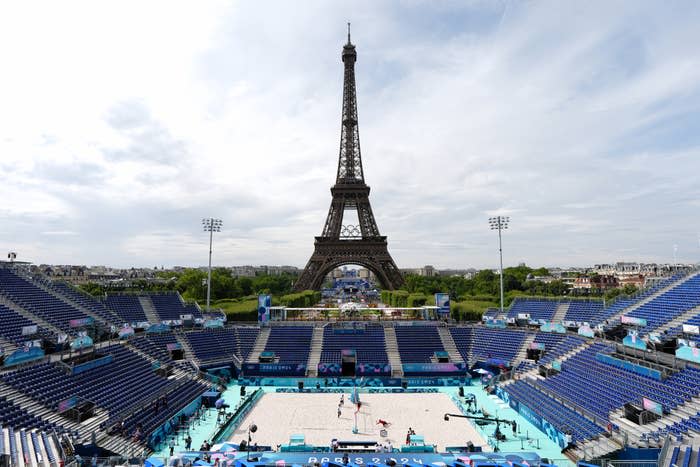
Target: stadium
<point x="137" y="377"/>
<point x="548" y="382"/>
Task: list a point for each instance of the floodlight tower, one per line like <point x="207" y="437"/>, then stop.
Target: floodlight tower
<point x="500" y="223"/>
<point x="210" y="225"/>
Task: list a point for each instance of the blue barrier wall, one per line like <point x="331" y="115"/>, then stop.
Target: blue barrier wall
<point x="77" y="369"/>
<point x="538" y="421"/>
<point x="629" y="366"/>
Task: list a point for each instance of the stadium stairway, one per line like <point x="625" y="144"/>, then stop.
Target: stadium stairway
<point x="260" y="344"/>
<point x="392" y="351"/>
<point x="187" y="349"/>
<point x="149" y="310"/>
<point x="315" y="354"/>
<point x="522" y="353"/>
<point x="560" y="312"/>
<point x="594" y="448"/>
<point x="122" y="445"/>
<point x="35" y="408"/>
<point x="36" y="319"/>
<point x="449" y="345"/>
<point x="634" y="306"/>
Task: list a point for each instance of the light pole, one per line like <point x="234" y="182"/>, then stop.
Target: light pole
<point x="500" y="223"/>
<point x="210" y="225"/>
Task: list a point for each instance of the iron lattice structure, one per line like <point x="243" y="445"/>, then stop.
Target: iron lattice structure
<point x="350" y="244"/>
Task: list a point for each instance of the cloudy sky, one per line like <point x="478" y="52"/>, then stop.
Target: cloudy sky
<point x="122" y="124"/>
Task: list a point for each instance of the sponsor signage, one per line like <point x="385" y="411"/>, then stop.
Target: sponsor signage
<point x="29" y="330"/>
<point x="690" y="329"/>
<point x="633" y="321"/>
<point x="652" y="406"/>
<point x="432" y="368"/>
<point x="82" y="322"/>
<point x="264" y="304"/>
<point x="442" y="301"/>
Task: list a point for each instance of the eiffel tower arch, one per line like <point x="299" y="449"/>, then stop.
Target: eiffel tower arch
<point x="342" y="244"/>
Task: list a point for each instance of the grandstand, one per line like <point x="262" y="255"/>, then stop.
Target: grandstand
<point x="573" y="384"/>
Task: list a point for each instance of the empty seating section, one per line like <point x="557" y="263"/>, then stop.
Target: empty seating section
<point x="492" y="313"/>
<point x="463" y="338"/>
<point x="36" y="300"/>
<point x="84" y="300"/>
<point x="247" y="335"/>
<point x="497" y="343"/>
<point x="537" y="308"/>
<point x="290" y="343"/>
<point x="25" y="453"/>
<point x="127" y="307"/>
<point x="11" y="324"/>
<point x="369" y="345"/>
<point x="115" y="386"/>
<point x="170" y="306"/>
<point x="621" y="303"/>
<point x="563" y="418"/>
<point x="14" y="415"/>
<point x="583" y="311"/>
<point x="599" y="387"/>
<point x="555" y="348"/>
<point x="213" y="344"/>
<point x="668" y="305"/>
<point x="418" y="344"/>
<point x="177" y="399"/>
<point x="155" y="345"/>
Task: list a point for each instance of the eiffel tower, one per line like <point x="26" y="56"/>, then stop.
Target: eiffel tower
<point x="350" y="244"/>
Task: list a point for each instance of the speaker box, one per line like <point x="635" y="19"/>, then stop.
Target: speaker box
<point x="300" y="385"/>
<point x="461" y="391"/>
<point x="242" y="390"/>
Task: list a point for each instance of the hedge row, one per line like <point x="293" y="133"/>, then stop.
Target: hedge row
<point x="307" y="298"/>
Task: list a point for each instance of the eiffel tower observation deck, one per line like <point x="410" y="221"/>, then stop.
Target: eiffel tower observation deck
<point x="340" y="243"/>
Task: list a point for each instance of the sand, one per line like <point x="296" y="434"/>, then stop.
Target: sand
<point x="280" y="415"/>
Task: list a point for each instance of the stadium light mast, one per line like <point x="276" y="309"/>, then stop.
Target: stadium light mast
<point x="210" y="225"/>
<point x="500" y="223"/>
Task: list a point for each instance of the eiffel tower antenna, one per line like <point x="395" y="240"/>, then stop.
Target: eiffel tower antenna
<point x="341" y="244"/>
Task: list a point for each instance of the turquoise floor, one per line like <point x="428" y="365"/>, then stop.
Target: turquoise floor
<point x="527" y="438"/>
<point x="203" y="429"/>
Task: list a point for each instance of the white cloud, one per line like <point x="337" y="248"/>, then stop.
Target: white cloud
<point x="126" y="123"/>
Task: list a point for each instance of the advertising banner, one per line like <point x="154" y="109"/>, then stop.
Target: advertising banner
<point x="685" y="352"/>
<point x="82" y="322"/>
<point x="125" y="332"/>
<point x="652" y="406"/>
<point x="434" y="368"/>
<point x="264" y="303"/>
<point x="495" y="323"/>
<point x="442" y="301"/>
<point x="29" y="330"/>
<point x="633" y="321"/>
<point x="268" y="369"/>
<point x="690" y="329"/>
<point x="81" y="342"/>
<point x="586" y="331"/>
<point x="633" y="340"/>
<point x="537" y="345"/>
<point x="67" y="404"/>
